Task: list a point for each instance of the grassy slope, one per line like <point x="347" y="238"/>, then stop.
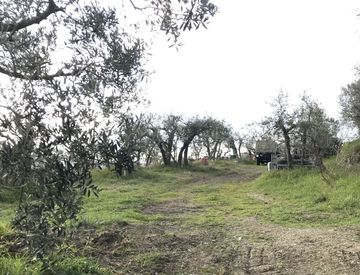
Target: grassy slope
<point x="294" y="198"/>
<point x="301" y="197"/>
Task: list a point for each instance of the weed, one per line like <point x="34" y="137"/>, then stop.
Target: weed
<point x="17" y="266"/>
<point x="78" y="266"/>
<point x="154" y="260"/>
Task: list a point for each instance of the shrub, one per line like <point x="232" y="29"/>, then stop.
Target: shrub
<point x="349" y="154"/>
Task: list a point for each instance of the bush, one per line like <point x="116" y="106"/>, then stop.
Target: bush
<point x="349" y="154"/>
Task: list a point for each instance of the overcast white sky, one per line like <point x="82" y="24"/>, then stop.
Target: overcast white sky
<point x="250" y="51"/>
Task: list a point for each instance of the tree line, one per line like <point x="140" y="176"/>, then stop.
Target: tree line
<point x="169" y="139"/>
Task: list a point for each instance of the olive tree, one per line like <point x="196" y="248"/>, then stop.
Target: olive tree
<point x="282" y="122"/>
<point x="190" y="129"/>
<point x="350" y="103"/>
<point x="165" y="133"/>
<point x="133" y="136"/>
<point x="49" y="166"/>
<point x="70" y="64"/>
<point x="214" y="136"/>
<point x="235" y="142"/>
<point x="317" y="133"/>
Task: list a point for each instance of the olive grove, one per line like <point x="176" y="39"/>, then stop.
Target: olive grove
<point x="67" y="66"/>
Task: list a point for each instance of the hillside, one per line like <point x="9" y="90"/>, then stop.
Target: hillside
<point x="225" y="218"/>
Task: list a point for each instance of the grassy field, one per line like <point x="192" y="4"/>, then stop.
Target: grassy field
<point x="215" y="186"/>
<point x="159" y="219"/>
<point x="296" y="198"/>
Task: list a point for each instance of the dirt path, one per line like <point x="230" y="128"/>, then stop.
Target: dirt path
<point x="273" y="249"/>
<point x="247" y="246"/>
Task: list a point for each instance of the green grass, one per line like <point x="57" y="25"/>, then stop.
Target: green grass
<point x="8" y="199"/>
<point x="4" y="228"/>
<point x="297" y="197"/>
<point x="123" y="199"/>
<point x="152" y="260"/>
<point x="78" y="266"/>
<point x="67" y="266"/>
<point x="17" y="266"/>
<point x="7" y="211"/>
<point x="301" y="197"/>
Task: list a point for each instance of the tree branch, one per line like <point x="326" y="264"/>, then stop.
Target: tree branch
<point x="134" y="6"/>
<point x="24" y="23"/>
<point x="35" y="76"/>
<point x="7" y="138"/>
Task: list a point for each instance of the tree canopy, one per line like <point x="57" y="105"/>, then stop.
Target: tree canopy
<point x="350" y="103"/>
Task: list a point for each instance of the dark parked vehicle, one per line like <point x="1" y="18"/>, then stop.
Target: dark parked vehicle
<point x="263" y="158"/>
<point x="265" y="149"/>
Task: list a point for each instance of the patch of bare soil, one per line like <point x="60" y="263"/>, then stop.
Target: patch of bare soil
<point x="249" y="247"/>
<point x="273" y="249"/>
<point x="172" y="207"/>
<point x="144" y="249"/>
<point x="234" y="176"/>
